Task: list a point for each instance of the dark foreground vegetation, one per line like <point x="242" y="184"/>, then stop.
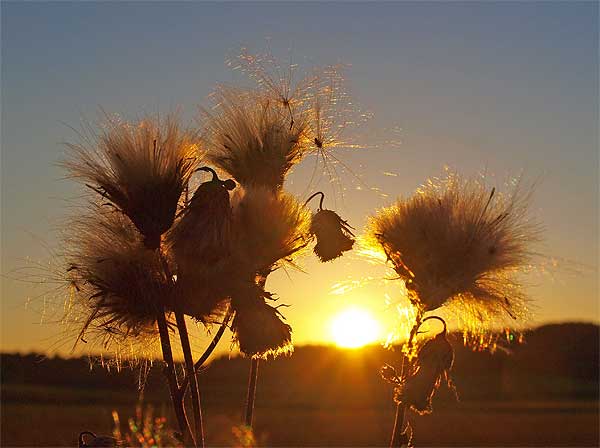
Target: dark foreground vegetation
<point x="543" y="392"/>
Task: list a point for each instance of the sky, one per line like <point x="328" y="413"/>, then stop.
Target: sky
<point x="505" y="88"/>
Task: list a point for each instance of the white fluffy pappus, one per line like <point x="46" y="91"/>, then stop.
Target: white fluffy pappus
<point x="251" y="137"/>
<point x="457" y="241"/>
<point x="119" y="284"/>
<point x="142" y="168"/>
<point x="269" y="228"/>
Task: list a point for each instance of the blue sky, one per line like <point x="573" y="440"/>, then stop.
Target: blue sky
<point x="506" y="87"/>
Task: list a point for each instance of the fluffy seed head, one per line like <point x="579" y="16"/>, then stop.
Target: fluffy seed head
<point x="269" y="228"/>
<point x="258" y="327"/>
<point x="121" y="285"/>
<point x="457" y="240"/>
<point x="141" y="168"/>
<point x="252" y="138"/>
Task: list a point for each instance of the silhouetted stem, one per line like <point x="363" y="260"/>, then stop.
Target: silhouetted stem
<point x="314" y="195"/>
<point x="397" y="434"/>
<point x="210" y="348"/>
<point x="253" y="377"/>
<point x="191" y="377"/>
<point x="399" y="437"/>
<point x="169" y="371"/>
<point x="215" y="341"/>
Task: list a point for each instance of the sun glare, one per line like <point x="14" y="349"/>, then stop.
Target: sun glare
<point x="354" y="328"/>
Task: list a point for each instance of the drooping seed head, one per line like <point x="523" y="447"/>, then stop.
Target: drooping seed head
<point x="258" y="327"/>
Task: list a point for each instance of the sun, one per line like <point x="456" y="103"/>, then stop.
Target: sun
<point x="354" y="328"/>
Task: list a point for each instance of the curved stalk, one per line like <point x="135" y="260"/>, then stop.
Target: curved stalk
<point x="314" y="195"/>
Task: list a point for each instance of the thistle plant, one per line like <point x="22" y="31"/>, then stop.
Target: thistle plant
<point x="141" y="171"/>
<point x="257" y="136"/>
<point x="146" y="254"/>
<point x="454" y="244"/>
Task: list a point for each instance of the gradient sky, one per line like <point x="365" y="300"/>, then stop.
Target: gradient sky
<point x="504" y="87"/>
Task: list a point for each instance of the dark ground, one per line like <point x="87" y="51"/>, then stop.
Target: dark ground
<point x="545" y="393"/>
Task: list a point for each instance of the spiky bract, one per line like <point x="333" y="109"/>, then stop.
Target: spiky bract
<point x="141" y="168"/>
<point x="257" y="326"/>
<point x="252" y="138"/>
<point x="269" y="228"/>
<point x="119" y="283"/>
<point x="334" y="235"/>
<point x="457" y="240"/>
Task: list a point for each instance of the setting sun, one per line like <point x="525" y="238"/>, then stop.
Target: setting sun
<point x="354" y="328"/>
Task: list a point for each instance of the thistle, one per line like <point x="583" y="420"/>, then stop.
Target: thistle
<point x="200" y="246"/>
<point x="269" y="230"/>
<point x="250" y="139"/>
<point x="119" y="283"/>
<point x="433" y="364"/>
<point x="334" y="235"/>
<point x="457" y="241"/>
<point x="258" y="327"/>
<point x="141" y="168"/>
<point x="453" y="243"/>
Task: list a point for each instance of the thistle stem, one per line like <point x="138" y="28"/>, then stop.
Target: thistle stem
<point x="211" y="347"/>
<point x="176" y="395"/>
<point x="252" y="379"/>
<point x="399" y="436"/>
<point x="191" y="376"/>
<point x="215" y="341"/>
<point x="314" y="195"/>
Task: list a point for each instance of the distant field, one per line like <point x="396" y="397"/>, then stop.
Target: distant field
<point x="491" y="424"/>
<point x="543" y="394"/>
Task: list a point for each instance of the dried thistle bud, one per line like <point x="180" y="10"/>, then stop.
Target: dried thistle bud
<point x="333" y="234"/>
<point x="202" y="234"/>
<point x="258" y="327"/>
<point x="434" y="362"/>
<point x="200" y="245"/>
<point x="142" y="169"/>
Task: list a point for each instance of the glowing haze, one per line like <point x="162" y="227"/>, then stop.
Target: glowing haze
<point x="503" y="88"/>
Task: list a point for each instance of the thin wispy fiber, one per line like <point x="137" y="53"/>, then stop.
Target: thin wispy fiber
<point x="251" y="138"/>
<point x="119" y="284"/>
